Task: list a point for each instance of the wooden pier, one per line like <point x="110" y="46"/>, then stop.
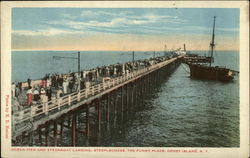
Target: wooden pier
<point x="119" y="92"/>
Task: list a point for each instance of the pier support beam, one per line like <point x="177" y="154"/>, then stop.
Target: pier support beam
<point x="61" y="127"/>
<point x="39" y="131"/>
<point x="98" y="115"/>
<point x="47" y="135"/>
<point x="73" y="130"/>
<point x="68" y="120"/>
<point x="55" y="133"/>
<point x="122" y="102"/>
<point x="127" y="97"/>
<point x="115" y="108"/>
<point x="132" y="93"/>
<point x="136" y="92"/>
<point x="107" y="106"/>
<point x="87" y="121"/>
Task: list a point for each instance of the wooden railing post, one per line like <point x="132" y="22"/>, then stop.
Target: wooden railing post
<point x="46" y="108"/>
<point x="93" y="90"/>
<point x="99" y="88"/>
<point x="78" y="96"/>
<point x="104" y="85"/>
<point x="86" y="93"/>
<point x="59" y="103"/>
<point x="109" y="84"/>
<point x="32" y="111"/>
<point x="69" y="99"/>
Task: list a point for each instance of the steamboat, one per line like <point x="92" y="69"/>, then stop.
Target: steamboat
<point x="209" y="72"/>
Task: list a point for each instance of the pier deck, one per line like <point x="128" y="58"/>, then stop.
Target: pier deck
<point x="30" y="119"/>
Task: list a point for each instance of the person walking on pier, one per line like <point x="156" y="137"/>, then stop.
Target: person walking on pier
<point x="59" y="93"/>
<point x="42" y="91"/>
<point x="82" y="84"/>
<point x="29" y="82"/>
<point x="20" y="86"/>
<point x="44" y="83"/>
<point x="43" y="96"/>
<point x="17" y="91"/>
<point x="65" y="86"/>
<point x="84" y="74"/>
<point x="71" y="85"/>
<point x="29" y="96"/>
<point x="48" y="81"/>
<point x="36" y="94"/>
<point x="49" y="93"/>
<point x="115" y="73"/>
<point x="13" y="88"/>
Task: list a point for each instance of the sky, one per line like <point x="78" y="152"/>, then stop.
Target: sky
<point x="123" y="29"/>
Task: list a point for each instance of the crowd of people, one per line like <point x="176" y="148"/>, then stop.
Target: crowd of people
<point x="54" y="86"/>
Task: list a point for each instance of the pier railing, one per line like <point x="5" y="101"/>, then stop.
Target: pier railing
<point x="73" y="98"/>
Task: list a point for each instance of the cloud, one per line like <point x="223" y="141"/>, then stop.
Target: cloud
<point x="121" y="19"/>
<point x="126" y="21"/>
<point x="163" y="18"/>
<point x="118" y="26"/>
<point x="132" y="18"/>
<point x="48" y="32"/>
<point x="90" y="13"/>
<point x="117" y="22"/>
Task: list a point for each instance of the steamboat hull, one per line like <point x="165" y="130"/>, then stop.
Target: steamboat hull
<point x="210" y="73"/>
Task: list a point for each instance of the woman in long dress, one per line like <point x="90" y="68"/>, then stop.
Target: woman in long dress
<point x="29" y="96"/>
<point x="65" y="86"/>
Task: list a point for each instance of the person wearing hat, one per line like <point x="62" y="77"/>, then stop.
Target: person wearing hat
<point x="43" y="96"/>
<point x="42" y="91"/>
<point x="49" y="93"/>
<point x="59" y="92"/>
<point x="29" y="96"/>
<point x="43" y="84"/>
<point x="36" y="94"/>
<point x="29" y="82"/>
<point x="65" y="86"/>
<point x="13" y="88"/>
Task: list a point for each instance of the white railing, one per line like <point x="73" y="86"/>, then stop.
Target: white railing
<point x="45" y="108"/>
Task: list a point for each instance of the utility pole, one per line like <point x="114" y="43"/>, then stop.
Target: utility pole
<point x="79" y="82"/>
<point x="79" y="64"/>
<point x="133" y="56"/>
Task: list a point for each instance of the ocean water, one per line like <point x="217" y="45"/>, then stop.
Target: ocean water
<point x="178" y="112"/>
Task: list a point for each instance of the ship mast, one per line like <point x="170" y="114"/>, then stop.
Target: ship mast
<point x="212" y="45"/>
